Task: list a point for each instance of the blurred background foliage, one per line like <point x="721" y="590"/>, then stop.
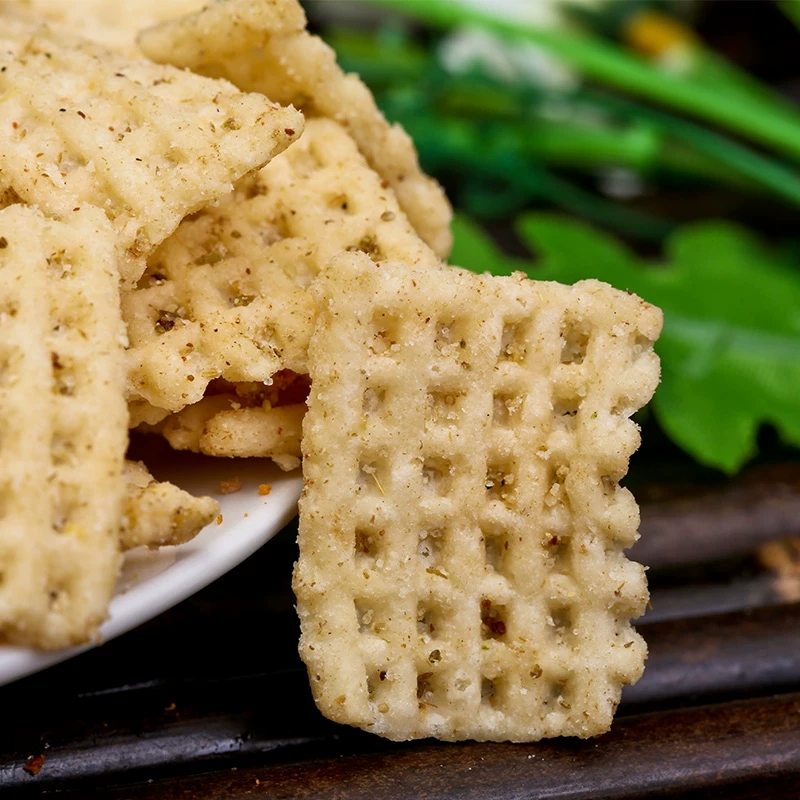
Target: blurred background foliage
<point x="653" y="144"/>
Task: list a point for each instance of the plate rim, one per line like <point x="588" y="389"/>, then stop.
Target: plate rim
<point x="144" y="600"/>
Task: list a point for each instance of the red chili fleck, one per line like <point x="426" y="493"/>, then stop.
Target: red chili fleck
<point x="34" y="764"/>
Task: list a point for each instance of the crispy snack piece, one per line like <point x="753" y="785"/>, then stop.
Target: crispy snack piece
<point x="158" y="513"/>
<point x="226" y="295"/>
<point x="63" y="425"/>
<point x="245" y="420"/>
<point x="146" y="143"/>
<point x="217" y="427"/>
<point x="461" y="570"/>
<point x="262" y="45"/>
<point x="107" y="22"/>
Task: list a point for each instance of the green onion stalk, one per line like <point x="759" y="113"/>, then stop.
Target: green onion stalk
<point x="735" y="110"/>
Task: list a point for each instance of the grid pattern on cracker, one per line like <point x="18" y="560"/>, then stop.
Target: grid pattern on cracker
<point x="147" y="143"/>
<point x="461" y="572"/>
<point x="158" y="513"/>
<point x="226" y="295"/>
<point x="63" y="425"/>
<point x="261" y="45"/>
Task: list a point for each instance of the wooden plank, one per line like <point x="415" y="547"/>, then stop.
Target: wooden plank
<point x="721" y="522"/>
<point x="753" y="651"/>
<point x="709" y="596"/>
<point x="720" y="748"/>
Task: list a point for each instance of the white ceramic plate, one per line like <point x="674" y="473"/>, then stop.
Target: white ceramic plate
<point x="153" y="581"/>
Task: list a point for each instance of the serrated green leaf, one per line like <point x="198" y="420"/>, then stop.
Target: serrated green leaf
<point x="730" y="348"/>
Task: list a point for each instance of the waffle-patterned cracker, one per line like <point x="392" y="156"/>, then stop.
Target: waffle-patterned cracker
<point x="227" y="295"/>
<point x="146" y="143"/>
<point x="63" y="425"/>
<point x="158" y="513"/>
<point x="262" y="46"/>
<point x="461" y="570"/>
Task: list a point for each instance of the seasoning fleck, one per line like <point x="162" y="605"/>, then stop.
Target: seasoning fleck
<point x="34" y="764"/>
<point x="231" y="486"/>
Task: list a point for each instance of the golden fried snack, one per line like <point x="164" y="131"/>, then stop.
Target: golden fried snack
<point x="262" y="46"/>
<point x="158" y="513"/>
<point x="146" y="143"/>
<point x="63" y="425"/>
<point x="226" y="296"/>
<point x="246" y="421"/>
<point x="461" y="570"/>
<point x="113" y="24"/>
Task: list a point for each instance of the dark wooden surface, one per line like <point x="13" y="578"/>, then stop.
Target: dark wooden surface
<point x="646" y="755"/>
<point x="210" y="700"/>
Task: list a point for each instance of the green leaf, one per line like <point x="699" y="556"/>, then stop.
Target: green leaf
<point x="569" y="251"/>
<point x="730" y="348"/>
<point x="474" y="250"/>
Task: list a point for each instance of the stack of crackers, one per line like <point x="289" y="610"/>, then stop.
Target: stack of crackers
<point x="210" y="233"/>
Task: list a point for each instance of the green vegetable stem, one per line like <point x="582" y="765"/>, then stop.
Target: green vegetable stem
<point x="738" y="111"/>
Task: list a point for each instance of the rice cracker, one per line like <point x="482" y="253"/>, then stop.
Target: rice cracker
<point x="262" y="46"/>
<point x="63" y="425"/>
<point x="107" y="22"/>
<point x="158" y="513"/>
<point x="226" y="296"/>
<point x="147" y="143"/>
<point x="461" y="570"/>
<point x="243" y="420"/>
